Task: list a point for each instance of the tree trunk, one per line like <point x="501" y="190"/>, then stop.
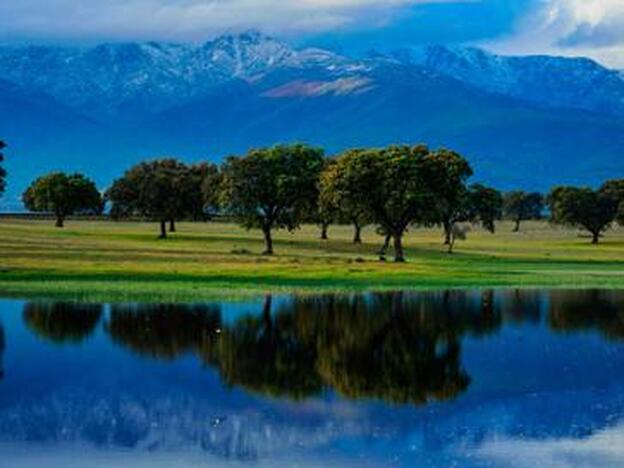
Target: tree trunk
<point x="324" y="227"/>
<point x="268" y="241"/>
<point x="451" y="243"/>
<point x="163" y="230"/>
<point x="595" y="238"/>
<point x="399" y="257"/>
<point x="172" y="226"/>
<point x="357" y="238"/>
<point x="448" y="228"/>
<point x="517" y="227"/>
<point x="60" y="221"/>
<point x="386" y="244"/>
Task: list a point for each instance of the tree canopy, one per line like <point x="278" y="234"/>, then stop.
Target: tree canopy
<point x="588" y="209"/>
<point x="339" y="201"/>
<point x="388" y="184"/>
<point x="522" y="206"/>
<point x="272" y="188"/>
<point x="159" y="190"/>
<point x="446" y="173"/>
<point x="485" y="206"/>
<point x="63" y="195"/>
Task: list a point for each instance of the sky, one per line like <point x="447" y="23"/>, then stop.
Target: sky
<point x="593" y="28"/>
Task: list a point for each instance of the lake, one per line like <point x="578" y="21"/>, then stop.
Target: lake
<point x="452" y="378"/>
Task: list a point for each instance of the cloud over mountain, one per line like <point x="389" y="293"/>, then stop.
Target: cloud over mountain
<point x="185" y="19"/>
<point x="570" y="27"/>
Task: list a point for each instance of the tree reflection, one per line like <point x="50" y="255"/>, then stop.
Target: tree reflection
<point x="62" y="322"/>
<point x="383" y="348"/>
<point x="164" y="331"/>
<point x="520" y="305"/>
<point x="396" y="347"/>
<point x="265" y="354"/>
<point x="403" y="348"/>
<point x="601" y="310"/>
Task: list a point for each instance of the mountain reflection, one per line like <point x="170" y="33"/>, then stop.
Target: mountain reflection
<point x="403" y="348"/>
<point x="61" y="322"/>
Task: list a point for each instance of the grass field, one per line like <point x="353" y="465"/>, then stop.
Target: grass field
<point x="109" y="261"/>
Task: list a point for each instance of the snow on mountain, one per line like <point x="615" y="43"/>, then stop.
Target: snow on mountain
<point x="144" y="78"/>
<point x="148" y="77"/>
<point x="578" y="83"/>
<point x="522" y="121"/>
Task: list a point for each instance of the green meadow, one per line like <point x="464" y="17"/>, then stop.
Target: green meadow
<point x="109" y="261"/>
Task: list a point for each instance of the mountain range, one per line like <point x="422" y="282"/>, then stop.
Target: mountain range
<point x="527" y="122"/>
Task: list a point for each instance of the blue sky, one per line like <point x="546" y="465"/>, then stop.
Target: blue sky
<point x="593" y="28"/>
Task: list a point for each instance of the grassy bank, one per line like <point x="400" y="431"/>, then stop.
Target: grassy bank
<point x="124" y="261"/>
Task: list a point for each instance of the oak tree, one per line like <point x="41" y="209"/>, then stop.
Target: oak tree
<point x="389" y="183"/>
<point x="272" y="188"/>
<point x="63" y="195"/>
<point x="156" y="190"/>
<point x="343" y="201"/>
<point x="446" y="173"/>
<point x="522" y="206"/>
<point x="585" y="208"/>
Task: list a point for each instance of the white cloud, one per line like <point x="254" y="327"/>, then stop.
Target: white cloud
<point x="184" y="19"/>
<point x="603" y="448"/>
<point x="593" y="28"/>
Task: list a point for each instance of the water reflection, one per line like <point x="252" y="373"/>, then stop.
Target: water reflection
<point x="62" y="322"/>
<point x="164" y="331"/>
<point x="266" y="353"/>
<point x="574" y="311"/>
<point x="2" y="345"/>
<point x="397" y="347"/>
<point x="439" y="378"/>
<point x="384" y="346"/>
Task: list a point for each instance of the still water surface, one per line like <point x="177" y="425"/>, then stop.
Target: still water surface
<point x="476" y="378"/>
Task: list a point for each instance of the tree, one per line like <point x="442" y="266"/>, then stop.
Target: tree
<point x="485" y="206"/>
<point x="522" y="206"/>
<point x="3" y="172"/>
<point x="324" y="211"/>
<point x="211" y="179"/>
<point x="325" y="214"/>
<point x="591" y="210"/>
<point x="614" y="189"/>
<point x="389" y="184"/>
<point x="201" y="192"/>
<point x="446" y="173"/>
<point x="478" y="205"/>
<point x="63" y="195"/>
<point x="272" y="188"/>
<point x="157" y="190"/>
<point x="338" y="198"/>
